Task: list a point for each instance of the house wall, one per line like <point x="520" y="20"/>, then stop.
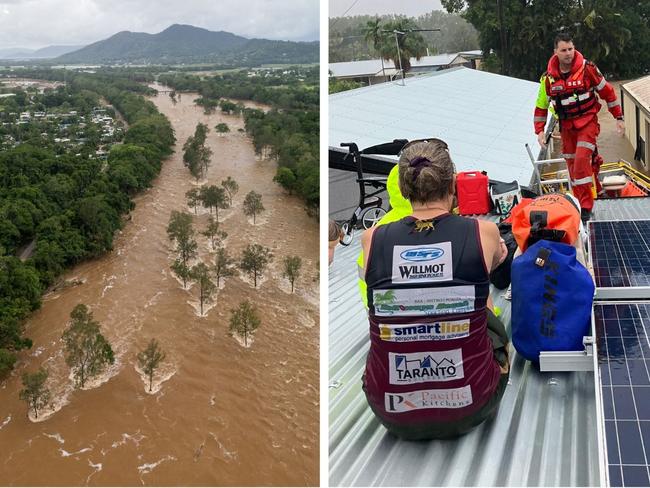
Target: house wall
<point x="637" y="118"/>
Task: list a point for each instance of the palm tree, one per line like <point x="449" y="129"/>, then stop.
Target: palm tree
<point x="411" y="44"/>
<point x="374" y="36"/>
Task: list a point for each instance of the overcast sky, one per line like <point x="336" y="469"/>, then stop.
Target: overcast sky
<point x="412" y="8"/>
<point x="40" y="23"/>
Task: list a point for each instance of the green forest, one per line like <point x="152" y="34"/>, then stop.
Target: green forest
<point x="59" y="194"/>
<point x="288" y="133"/>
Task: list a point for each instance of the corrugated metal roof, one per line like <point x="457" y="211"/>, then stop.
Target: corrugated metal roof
<point x="369" y="67"/>
<point x="372" y="67"/>
<point x="543" y="435"/>
<point x="485" y="118"/>
<point x="622" y="209"/>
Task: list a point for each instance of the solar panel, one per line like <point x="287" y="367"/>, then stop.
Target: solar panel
<point x="620" y="256"/>
<point x="623" y="345"/>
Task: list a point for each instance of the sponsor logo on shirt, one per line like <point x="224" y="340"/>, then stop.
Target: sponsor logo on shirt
<point x="414" y="264"/>
<point x="436" y="331"/>
<point x="423" y="367"/>
<point x="424" y="301"/>
<point x="418" y="400"/>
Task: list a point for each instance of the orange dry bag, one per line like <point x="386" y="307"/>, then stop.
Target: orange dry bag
<point x="553" y="217"/>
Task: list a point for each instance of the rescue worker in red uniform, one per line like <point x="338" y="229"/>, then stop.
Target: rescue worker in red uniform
<point x="571" y="84"/>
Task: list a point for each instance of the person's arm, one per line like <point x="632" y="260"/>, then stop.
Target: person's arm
<point x="366" y="239"/>
<point x="494" y="249"/>
<point x="608" y="94"/>
<point x="541" y="111"/>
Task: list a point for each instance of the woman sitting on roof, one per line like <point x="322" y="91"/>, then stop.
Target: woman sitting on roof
<point x="438" y="362"/>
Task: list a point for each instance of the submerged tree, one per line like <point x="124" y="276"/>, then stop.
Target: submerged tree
<point x="193" y="198"/>
<point x="244" y="320"/>
<point x="213" y="233"/>
<point x="181" y="233"/>
<point x="224" y="265"/>
<point x="291" y="271"/>
<point x="150" y="358"/>
<point x="231" y="187"/>
<point x="87" y="350"/>
<point x="254" y="260"/>
<point x="253" y="204"/>
<point x="35" y="393"/>
<point x="201" y="275"/>
<point x="196" y="155"/>
<point x="214" y="197"/>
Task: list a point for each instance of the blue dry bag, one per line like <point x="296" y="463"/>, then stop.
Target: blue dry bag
<point x="552" y="294"/>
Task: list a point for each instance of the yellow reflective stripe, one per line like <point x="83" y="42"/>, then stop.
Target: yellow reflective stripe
<point x="586" y="144"/>
<point x="582" y="181"/>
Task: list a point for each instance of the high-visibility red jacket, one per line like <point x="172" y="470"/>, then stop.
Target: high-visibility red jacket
<point x="574" y="95"/>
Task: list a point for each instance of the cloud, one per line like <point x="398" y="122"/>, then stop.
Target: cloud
<point x="38" y="23"/>
<point x="412" y="8"/>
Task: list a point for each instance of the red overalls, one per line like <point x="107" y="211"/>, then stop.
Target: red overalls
<point x="575" y="102"/>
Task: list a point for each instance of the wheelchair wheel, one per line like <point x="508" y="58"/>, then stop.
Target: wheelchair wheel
<point x="371" y="216"/>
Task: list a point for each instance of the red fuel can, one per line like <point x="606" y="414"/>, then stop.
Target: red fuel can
<point x="472" y="193"/>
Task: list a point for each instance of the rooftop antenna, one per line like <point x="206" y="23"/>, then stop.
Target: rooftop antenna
<point x="399" y="53"/>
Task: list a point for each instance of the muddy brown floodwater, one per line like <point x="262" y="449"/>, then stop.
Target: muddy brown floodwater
<point x="221" y="414"/>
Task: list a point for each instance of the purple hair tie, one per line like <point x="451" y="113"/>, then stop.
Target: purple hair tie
<point x="418" y="163"/>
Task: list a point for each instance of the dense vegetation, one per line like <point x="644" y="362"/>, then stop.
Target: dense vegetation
<point x="288" y="132"/>
<point x="349" y="40"/>
<point x="615" y="35"/>
<point x="65" y="200"/>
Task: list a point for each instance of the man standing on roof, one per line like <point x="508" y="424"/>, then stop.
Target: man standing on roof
<point x="571" y="83"/>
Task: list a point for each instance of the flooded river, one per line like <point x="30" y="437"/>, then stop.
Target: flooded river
<point x="221" y="414"/>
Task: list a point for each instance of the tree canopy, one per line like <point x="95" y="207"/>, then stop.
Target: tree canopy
<point x="87" y="351"/>
<point x="614" y="35"/>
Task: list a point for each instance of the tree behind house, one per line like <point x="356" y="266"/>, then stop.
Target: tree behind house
<point x="150" y="358"/>
<point x="87" y="352"/>
<point x="244" y="320"/>
<point x="291" y="270"/>
<point x="35" y="393"/>
<point x="254" y="260"/>
<point x="253" y="204"/>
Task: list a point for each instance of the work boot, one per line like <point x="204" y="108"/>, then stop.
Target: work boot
<point x="585" y="215"/>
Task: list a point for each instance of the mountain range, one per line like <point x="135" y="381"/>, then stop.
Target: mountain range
<point x="187" y="44"/>
<point x="43" y="53"/>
